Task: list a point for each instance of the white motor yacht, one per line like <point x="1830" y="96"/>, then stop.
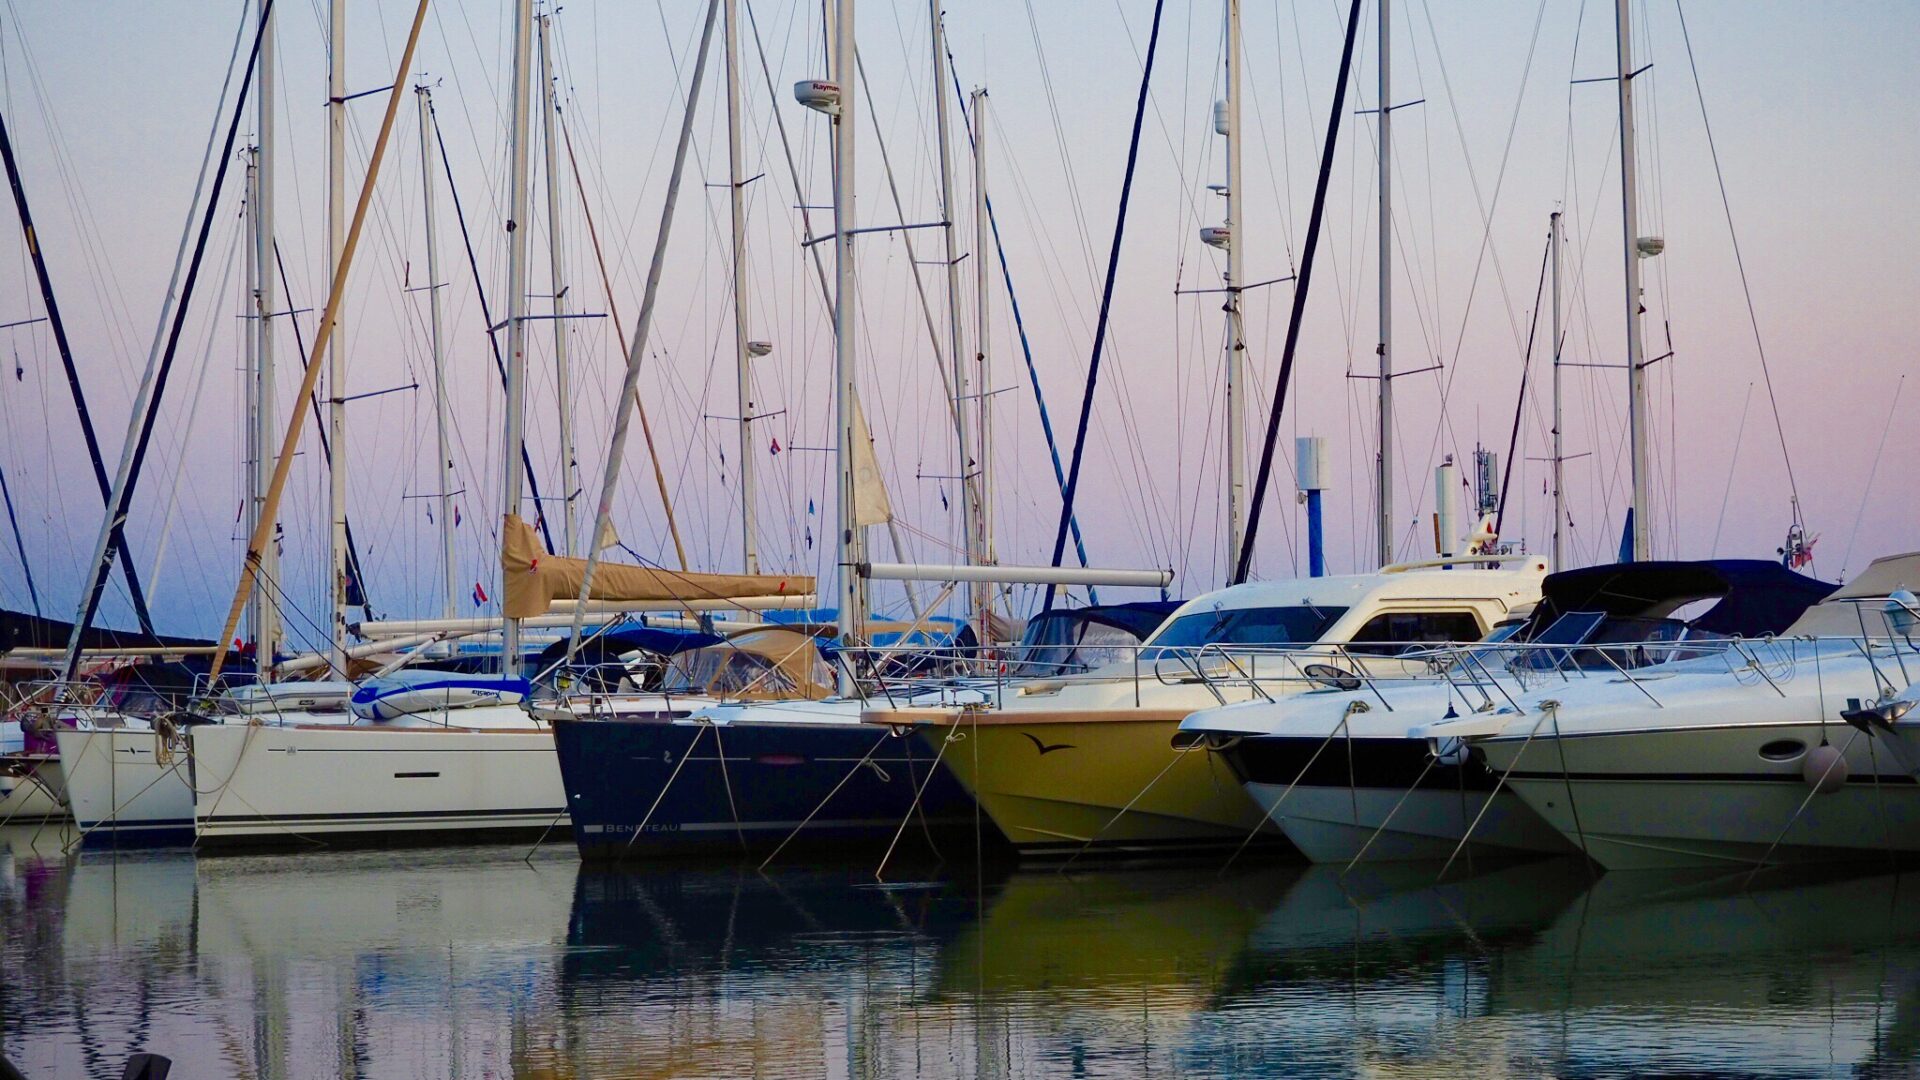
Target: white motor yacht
<point x="1337" y="769"/>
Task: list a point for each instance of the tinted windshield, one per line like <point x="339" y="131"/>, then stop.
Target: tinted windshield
<point x="1066" y="647"/>
<point x="1249" y="626"/>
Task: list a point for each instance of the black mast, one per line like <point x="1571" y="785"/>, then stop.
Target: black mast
<point x="1106" y="305"/>
<point x="1299" y="299"/>
<point x="73" y="375"/>
<point x="118" y="511"/>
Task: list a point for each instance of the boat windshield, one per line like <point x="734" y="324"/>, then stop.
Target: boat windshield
<point x="725" y="671"/>
<point x="1070" y="647"/>
<point x="1631" y="642"/>
<point x="1277" y="626"/>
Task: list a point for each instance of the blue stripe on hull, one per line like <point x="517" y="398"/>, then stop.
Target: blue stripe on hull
<point x="143" y="834"/>
<point x="775" y="777"/>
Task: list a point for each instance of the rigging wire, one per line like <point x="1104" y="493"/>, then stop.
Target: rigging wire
<point x="1300" y="290"/>
<point x="1739" y="261"/>
<point x="1106" y="300"/>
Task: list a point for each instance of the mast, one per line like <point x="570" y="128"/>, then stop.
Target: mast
<point x="1559" y="432"/>
<point x="1637" y="405"/>
<point x="264" y="617"/>
<point x="440" y="418"/>
<point x="1383" y="478"/>
<point x="983" y="307"/>
<point x="562" y="374"/>
<point x="116" y="535"/>
<point x="743" y="354"/>
<point x="336" y="342"/>
<point x="1236" y="326"/>
<point x="513" y="471"/>
<point x="851" y="542"/>
<point x="970" y="487"/>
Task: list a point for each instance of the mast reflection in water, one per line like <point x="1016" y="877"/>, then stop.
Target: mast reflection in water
<point x="475" y="962"/>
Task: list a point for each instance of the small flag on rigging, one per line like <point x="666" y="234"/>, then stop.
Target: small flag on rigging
<point x="479" y="594"/>
<point x="775" y="447"/>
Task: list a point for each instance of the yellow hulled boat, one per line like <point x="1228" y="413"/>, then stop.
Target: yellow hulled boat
<point x="1089" y="762"/>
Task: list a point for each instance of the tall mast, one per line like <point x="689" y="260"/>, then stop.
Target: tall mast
<point x="266" y="617"/>
<point x="1642" y="541"/>
<point x="337" y="342"/>
<point x="513" y="471"/>
<point x="1236" y="280"/>
<point x="983" y="309"/>
<point x="970" y="486"/>
<point x="556" y="261"/>
<point x="851" y="542"/>
<point x="743" y="356"/>
<point x="1559" y="431"/>
<point x="440" y="418"/>
<point x="1383" y="478"/>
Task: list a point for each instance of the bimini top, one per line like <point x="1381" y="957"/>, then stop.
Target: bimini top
<point x="609" y="647"/>
<point x="1054" y="627"/>
<point x="1756" y="596"/>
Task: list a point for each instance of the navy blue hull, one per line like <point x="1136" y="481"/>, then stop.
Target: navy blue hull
<point x="627" y="800"/>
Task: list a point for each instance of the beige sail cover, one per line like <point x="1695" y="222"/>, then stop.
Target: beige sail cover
<point x="1836" y="617"/>
<point x="535" y="578"/>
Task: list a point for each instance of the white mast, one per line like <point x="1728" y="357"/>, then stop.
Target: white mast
<point x="264" y="618"/>
<point x="440" y="418"/>
<point x="513" y="472"/>
<point x="556" y="261"/>
<point x="1383" y="479"/>
<point x="337" y="343"/>
<point x="1642" y="545"/>
<point x="1559" y="431"/>
<point x="983" y="307"/>
<point x="1236" y="280"/>
<point x="851" y="541"/>
<point x="743" y="355"/>
<point x="971" y="484"/>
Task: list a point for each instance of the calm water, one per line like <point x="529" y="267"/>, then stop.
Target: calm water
<point x="473" y="962"/>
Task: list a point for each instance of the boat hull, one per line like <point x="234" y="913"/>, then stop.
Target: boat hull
<point x="1621" y="796"/>
<point x="1386" y="799"/>
<point x="1111" y="785"/>
<point x="25" y="799"/>
<point x="643" y="788"/>
<point x="124" y="787"/>
<point x="260" y="785"/>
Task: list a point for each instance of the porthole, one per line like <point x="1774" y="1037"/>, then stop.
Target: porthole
<point x="1783" y="750"/>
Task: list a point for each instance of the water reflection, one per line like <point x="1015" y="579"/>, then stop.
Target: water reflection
<point x="477" y="962"/>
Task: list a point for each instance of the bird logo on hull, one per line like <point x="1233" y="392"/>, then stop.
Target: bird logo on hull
<point x="1047" y="748"/>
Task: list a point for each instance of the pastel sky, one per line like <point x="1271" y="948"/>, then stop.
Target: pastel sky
<point x="1812" y="111"/>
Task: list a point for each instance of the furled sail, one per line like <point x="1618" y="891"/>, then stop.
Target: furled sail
<point x="871" y="506"/>
<point x="536" y="578"/>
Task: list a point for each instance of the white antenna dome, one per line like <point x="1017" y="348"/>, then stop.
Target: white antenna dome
<point x="1220" y="236"/>
<point x="1649" y="246"/>
<point x="1220" y="125"/>
<point x="818" y="95"/>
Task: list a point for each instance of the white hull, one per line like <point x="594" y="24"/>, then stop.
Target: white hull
<point x="26" y="800"/>
<point x="1333" y="825"/>
<point x="1704" y="796"/>
<point x="266" y="784"/>
<point x="123" y="785"/>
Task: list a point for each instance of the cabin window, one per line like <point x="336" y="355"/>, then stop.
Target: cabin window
<point x="1393" y="632"/>
<point x="1249" y="626"/>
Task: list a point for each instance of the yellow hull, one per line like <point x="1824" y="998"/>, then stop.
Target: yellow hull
<point x="1114" y="783"/>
